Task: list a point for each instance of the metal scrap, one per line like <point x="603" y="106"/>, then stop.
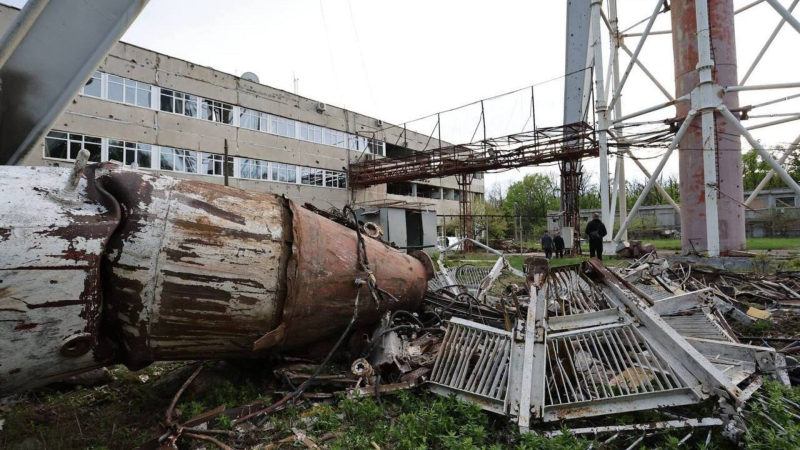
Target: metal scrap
<point x="586" y="342"/>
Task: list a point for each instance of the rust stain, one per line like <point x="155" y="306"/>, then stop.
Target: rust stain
<point x="179" y="255"/>
<point x="214" y="231"/>
<point x="214" y="211"/>
<point x="25" y="326"/>
<point x="56" y="304"/>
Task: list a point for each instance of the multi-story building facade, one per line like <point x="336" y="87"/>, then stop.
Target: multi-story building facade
<point x="172" y="116"/>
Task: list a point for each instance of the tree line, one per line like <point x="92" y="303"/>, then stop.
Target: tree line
<point x="538" y="193"/>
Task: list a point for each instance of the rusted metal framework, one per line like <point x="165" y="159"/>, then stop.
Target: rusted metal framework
<point x="540" y="146"/>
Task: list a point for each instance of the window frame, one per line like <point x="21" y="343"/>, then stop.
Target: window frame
<point x="69" y="141"/>
<point x="250" y="163"/>
<point x="100" y="81"/>
<point x="136" y="147"/>
<point x="177" y="154"/>
<point x="216" y="110"/>
<point x="127" y="83"/>
<point x="277" y="169"/>
<point x="176" y="96"/>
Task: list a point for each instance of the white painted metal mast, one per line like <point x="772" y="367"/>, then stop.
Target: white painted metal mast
<point x="601" y="110"/>
<point x="708" y="97"/>
<point x="619" y="175"/>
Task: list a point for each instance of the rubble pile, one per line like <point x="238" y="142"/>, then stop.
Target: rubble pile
<point x="552" y="351"/>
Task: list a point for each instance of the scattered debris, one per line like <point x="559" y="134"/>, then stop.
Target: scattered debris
<point x="553" y="351"/>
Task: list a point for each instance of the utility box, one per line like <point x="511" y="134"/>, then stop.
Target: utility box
<point x="569" y="237"/>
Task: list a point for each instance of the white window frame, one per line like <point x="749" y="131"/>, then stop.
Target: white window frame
<point x="102" y="85"/>
<point x="69" y="140"/>
<point x="216" y="158"/>
<point x="275" y="123"/>
<point x="261" y="117"/>
<point x="137" y="87"/>
<point x="215" y="105"/>
<point x="315" y="176"/>
<point x="277" y="169"/>
<point x="136" y="147"/>
<point x="335" y="179"/>
<point x="263" y="166"/>
<point x="178" y="153"/>
<point x="186" y="98"/>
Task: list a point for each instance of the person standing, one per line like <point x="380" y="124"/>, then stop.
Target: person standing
<point x="596" y="230"/>
<point x="558" y="243"/>
<point x="547" y="245"/>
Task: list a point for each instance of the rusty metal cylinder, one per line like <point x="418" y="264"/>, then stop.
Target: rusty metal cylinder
<point x="139" y="268"/>
<point x="198" y="270"/>
<point x="729" y="157"/>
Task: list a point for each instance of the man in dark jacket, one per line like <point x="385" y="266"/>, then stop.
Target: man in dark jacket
<point x="547" y="245"/>
<point x="558" y="243"/>
<point x="596" y="231"/>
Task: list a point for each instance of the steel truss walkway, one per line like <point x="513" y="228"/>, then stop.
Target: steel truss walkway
<point x="530" y="148"/>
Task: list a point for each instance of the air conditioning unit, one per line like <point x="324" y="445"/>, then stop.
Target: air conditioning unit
<point x="321" y="107"/>
<point x="379" y="122"/>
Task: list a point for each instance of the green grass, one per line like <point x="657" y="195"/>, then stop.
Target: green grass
<point x="773" y="243"/>
<point x="752" y="243"/>
<point x="516" y="261"/>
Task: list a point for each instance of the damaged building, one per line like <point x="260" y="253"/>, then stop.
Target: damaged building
<point x="175" y="117"/>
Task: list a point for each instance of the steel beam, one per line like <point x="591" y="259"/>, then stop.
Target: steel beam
<point x="619" y="173"/>
<point x="776" y="5"/>
<point x="766" y="45"/>
<point x="658" y="186"/>
<point x="771" y="173"/>
<point x="790" y="182"/>
<point x="48" y="53"/>
<point x="600" y="106"/>
<point x="649" y="75"/>
<point x="635" y="56"/>
<point x="681" y="131"/>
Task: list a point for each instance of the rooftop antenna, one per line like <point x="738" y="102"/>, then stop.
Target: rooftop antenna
<point x="296" y="82"/>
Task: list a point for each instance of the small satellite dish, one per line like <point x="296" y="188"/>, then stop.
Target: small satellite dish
<point x="250" y="76"/>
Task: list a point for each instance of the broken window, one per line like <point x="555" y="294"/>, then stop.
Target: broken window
<point x="178" y="160"/>
<point x="94" y="87"/>
<point x="62" y="145"/>
<point x="335" y="179"/>
<point x="358" y="143"/>
<point x="211" y="164"/>
<point x="129" y="91"/>
<point x="217" y="111"/>
<point x="311" y="177"/>
<point x="178" y="103"/>
<point x="285" y="173"/>
<point x="784" y="202"/>
<point x="129" y="153"/>
<point x="376" y="147"/>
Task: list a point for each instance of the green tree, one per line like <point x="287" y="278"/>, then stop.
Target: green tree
<point x="533" y="197"/>
<point x="497" y="225"/>
<point x="590" y="198"/>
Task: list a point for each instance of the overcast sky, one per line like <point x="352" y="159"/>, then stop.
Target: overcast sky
<point x="401" y="60"/>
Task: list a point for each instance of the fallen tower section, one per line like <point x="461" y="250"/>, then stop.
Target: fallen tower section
<point x="102" y="264"/>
